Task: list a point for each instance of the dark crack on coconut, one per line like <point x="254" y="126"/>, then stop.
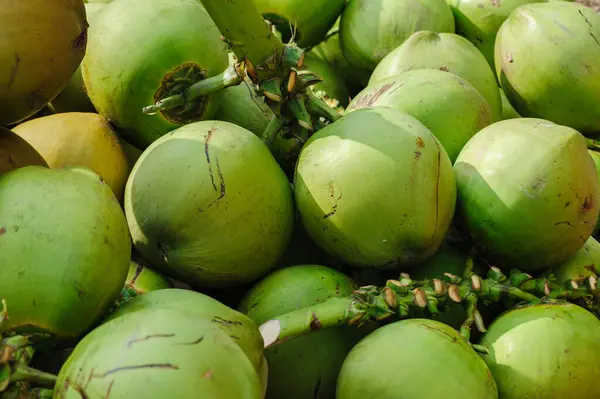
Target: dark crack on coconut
<point x="136" y="367"/>
<point x="590" y="27"/>
<point x="176" y="82"/>
<point x="207" y="154"/>
<point x="147" y="337"/>
<point x="108" y="391"/>
<point x="225" y="322"/>
<point x="440" y="331"/>
<point x="194" y="342"/>
<point x="14" y="70"/>
<point x="210" y="171"/>
<point x="138" y="270"/>
<point x="80" y="42"/>
<point x="370" y="99"/>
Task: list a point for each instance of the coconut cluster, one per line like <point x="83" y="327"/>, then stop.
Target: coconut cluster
<point x="264" y="199"/>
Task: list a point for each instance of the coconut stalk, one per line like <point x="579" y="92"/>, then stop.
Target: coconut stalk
<point x="274" y="68"/>
<point x="400" y="297"/>
<point x="251" y="38"/>
<point x="16" y="353"/>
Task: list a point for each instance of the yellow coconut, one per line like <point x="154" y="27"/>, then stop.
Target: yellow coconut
<point x="42" y="42"/>
<point x="16" y="152"/>
<point x="80" y="139"/>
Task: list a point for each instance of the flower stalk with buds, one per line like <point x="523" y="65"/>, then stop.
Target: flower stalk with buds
<point x="400" y="297"/>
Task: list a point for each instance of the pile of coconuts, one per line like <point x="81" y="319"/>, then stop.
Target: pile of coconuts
<point x="400" y="200"/>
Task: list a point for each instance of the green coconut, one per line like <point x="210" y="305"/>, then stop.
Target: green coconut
<point x="307" y="22"/>
<point x="305" y="366"/>
<point x="73" y="97"/>
<point x="237" y="325"/>
<point x="64" y="250"/>
<point x="446" y="104"/>
<point x="330" y="51"/>
<point x="185" y="356"/>
<point x="448" y="52"/>
<point x="354" y="186"/>
<point x="564" y="38"/>
<point x="369" y="30"/>
<point x="545" y="351"/>
<point x="416" y="358"/>
<point x="581" y="266"/>
<point x="137" y="50"/>
<point x="209" y="205"/>
<point x="527" y="192"/>
<point x="479" y="20"/>
<point x="41" y="44"/>
<point x="15" y="152"/>
<point x="596" y="158"/>
<point x="508" y="111"/>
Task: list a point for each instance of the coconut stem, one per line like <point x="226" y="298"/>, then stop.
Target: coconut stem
<point x="333" y="313"/>
<point x="297" y="106"/>
<point x="247" y="33"/>
<point x="517" y="293"/>
<point x="318" y="107"/>
<point x="397" y="297"/>
<point x="28" y="374"/>
<point x="273" y="67"/>
<point x="472" y="315"/>
<point x="481" y="349"/>
<point x="583" y="293"/>
<point x="271" y="131"/>
<point x="232" y="76"/>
